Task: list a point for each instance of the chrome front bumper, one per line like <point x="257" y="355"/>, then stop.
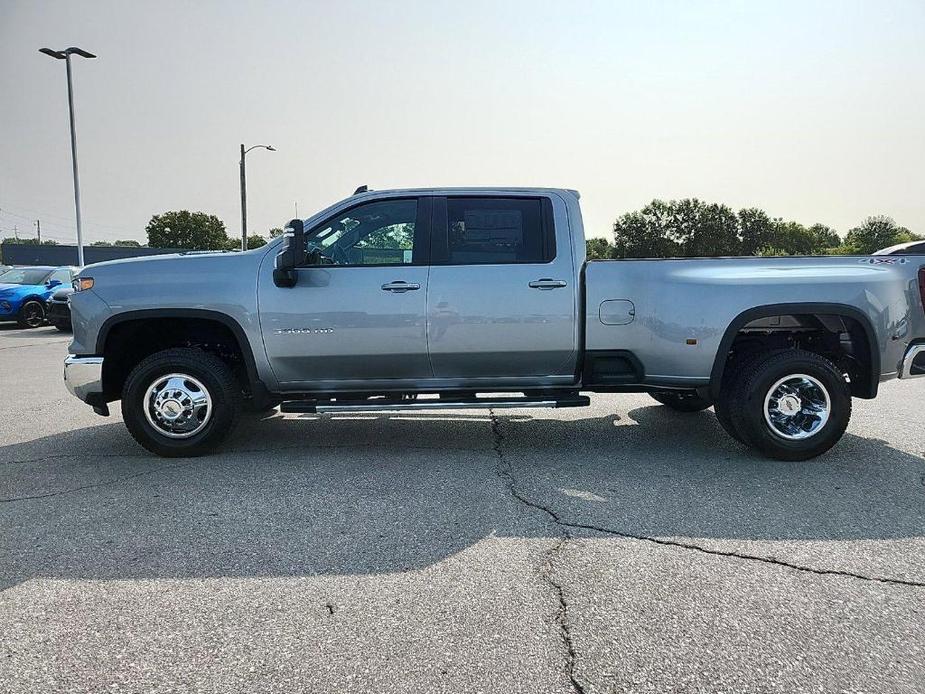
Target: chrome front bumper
<point x="83" y="377"/>
<point x="913" y="365"/>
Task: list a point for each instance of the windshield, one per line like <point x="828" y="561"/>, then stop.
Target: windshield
<point x="24" y="276"/>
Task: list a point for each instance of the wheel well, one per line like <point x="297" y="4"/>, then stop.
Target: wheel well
<point x="842" y="339"/>
<point x="130" y="341"/>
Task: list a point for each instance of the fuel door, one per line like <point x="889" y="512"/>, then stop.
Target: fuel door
<point x="617" y="312"/>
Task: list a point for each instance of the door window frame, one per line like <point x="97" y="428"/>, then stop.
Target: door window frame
<point x="440" y="226"/>
<point x="420" y="251"/>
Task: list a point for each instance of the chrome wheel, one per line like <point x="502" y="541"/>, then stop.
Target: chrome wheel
<point x="177" y="405"/>
<point x="797" y="407"/>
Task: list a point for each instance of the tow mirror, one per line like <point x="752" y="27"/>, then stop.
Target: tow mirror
<point x="291" y="256"/>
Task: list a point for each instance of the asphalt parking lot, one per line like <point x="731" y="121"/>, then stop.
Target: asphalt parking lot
<point x="615" y="548"/>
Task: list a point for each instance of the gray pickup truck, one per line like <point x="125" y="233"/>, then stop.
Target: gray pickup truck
<point x="482" y="298"/>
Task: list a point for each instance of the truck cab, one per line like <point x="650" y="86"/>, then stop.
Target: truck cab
<point x="430" y="291"/>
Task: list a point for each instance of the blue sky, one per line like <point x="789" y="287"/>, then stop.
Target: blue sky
<point x="814" y="111"/>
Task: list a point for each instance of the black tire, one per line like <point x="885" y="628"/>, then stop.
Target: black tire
<point x="723" y="408"/>
<point x="63" y="327"/>
<point x="754" y="385"/>
<point x="217" y="380"/>
<point x="727" y="403"/>
<point x="682" y="401"/>
<point x="31" y="314"/>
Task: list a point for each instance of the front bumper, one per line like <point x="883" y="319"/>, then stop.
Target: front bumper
<point x="913" y="364"/>
<point x="83" y="377"/>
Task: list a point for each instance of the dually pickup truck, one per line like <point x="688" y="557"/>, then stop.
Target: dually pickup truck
<point x="482" y="298"/>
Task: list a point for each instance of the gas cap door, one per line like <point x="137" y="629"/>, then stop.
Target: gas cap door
<point x="617" y="312"/>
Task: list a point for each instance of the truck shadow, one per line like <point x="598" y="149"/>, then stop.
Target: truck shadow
<point x="388" y="493"/>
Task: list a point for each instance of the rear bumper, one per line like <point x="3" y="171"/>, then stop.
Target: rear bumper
<point x="913" y="364"/>
<point x="83" y="377"/>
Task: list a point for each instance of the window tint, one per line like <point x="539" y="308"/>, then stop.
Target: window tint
<point x="24" y="276"/>
<point x="377" y="233"/>
<point x="496" y="230"/>
<point x="63" y="276"/>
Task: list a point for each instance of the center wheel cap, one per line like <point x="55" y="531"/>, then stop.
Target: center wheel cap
<point x="171" y="409"/>
<point x="790" y="405"/>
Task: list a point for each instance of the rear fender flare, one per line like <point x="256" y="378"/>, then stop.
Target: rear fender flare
<point x="719" y="363"/>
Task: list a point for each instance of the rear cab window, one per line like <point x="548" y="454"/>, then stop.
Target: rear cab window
<point x="493" y="230"/>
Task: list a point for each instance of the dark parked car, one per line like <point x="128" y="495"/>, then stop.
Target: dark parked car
<point x="910" y="248"/>
<point x="57" y="310"/>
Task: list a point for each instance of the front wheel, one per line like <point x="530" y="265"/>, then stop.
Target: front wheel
<point x="31" y="315"/>
<point x="791" y="405"/>
<point x="180" y="402"/>
<point x="682" y="401"/>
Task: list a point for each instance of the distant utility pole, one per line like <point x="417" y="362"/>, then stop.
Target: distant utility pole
<point x="244" y="152"/>
<point x="38" y="230"/>
<point x="65" y="55"/>
<point x="16" y="232"/>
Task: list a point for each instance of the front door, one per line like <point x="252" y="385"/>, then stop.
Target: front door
<point x="502" y="300"/>
<point x="359" y="318"/>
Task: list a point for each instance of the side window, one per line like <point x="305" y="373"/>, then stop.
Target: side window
<point x="63" y="276"/>
<point x="497" y="230"/>
<point x="377" y="233"/>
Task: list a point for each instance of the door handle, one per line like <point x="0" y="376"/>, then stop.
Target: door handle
<point x="400" y="287"/>
<point x="547" y="284"/>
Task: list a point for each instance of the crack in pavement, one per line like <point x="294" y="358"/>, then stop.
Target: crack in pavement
<point x="104" y="483"/>
<point x="504" y="470"/>
<point x="665" y="542"/>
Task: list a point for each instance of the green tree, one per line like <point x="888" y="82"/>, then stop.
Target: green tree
<point x="276" y="231"/>
<point x="29" y="242"/>
<point x="877" y="233"/>
<point x="644" y="234"/>
<point x="194" y="231"/>
<point x="599" y="249"/>
<point x="756" y="231"/>
<point x="132" y="243"/>
<point x="677" y="228"/>
<point x="253" y="241"/>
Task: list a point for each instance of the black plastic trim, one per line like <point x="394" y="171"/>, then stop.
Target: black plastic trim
<point x="592" y="372"/>
<point x="719" y="362"/>
<point x="258" y="388"/>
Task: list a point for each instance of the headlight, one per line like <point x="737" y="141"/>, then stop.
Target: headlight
<point x="82" y="284"/>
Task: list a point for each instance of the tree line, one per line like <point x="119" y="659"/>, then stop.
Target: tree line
<point x="694" y="228"/>
<point x="661" y="229"/>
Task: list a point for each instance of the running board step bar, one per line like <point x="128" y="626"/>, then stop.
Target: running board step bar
<point x="383" y="405"/>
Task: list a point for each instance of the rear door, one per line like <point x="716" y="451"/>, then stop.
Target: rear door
<point x="358" y="319"/>
<point x="502" y="298"/>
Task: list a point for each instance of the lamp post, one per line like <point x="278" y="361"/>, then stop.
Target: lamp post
<point x="269" y="148"/>
<point x="65" y="55"/>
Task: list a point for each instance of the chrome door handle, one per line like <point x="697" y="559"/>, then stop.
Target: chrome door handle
<point x="400" y="287"/>
<point x="547" y="284"/>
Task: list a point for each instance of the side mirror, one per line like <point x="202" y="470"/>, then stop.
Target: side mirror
<point x="291" y="256"/>
<point x="51" y="284"/>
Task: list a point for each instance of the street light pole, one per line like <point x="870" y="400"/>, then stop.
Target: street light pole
<point x="243" y="172"/>
<point x="70" y="109"/>
<point x="66" y="56"/>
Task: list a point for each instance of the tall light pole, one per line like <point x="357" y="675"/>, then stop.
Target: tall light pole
<point x="65" y="55"/>
<point x="244" y="191"/>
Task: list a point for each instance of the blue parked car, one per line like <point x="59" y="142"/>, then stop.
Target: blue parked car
<point x="24" y="290"/>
